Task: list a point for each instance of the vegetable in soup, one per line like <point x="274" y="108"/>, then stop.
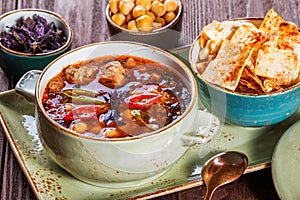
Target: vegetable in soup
<point x="116" y="96"/>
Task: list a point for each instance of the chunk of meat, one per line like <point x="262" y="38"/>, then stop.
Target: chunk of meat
<point x="83" y="75"/>
<point x="56" y="84"/>
<point x="113" y="74"/>
<point x="70" y="73"/>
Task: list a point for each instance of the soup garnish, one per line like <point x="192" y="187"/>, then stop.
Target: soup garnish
<point x="33" y="35"/>
<point x="116" y="96"/>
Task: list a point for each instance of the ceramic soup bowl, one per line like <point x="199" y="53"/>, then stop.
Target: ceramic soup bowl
<point x="126" y="161"/>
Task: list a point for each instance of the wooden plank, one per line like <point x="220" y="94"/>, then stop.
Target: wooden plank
<point x="8" y="6"/>
<point x="15" y="185"/>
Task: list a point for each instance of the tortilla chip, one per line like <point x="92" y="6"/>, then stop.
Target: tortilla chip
<point x="213" y="46"/>
<point x="271" y="85"/>
<point x="271" y="22"/>
<point x="288" y="28"/>
<point x="244" y="89"/>
<point x="248" y="36"/>
<point x="252" y="80"/>
<point x="226" y="71"/>
<point x="229" y="49"/>
<point x="203" y="55"/>
<point x="213" y="34"/>
<point x="247" y="86"/>
<point x="208" y="33"/>
<point x="277" y="64"/>
<point x="201" y="66"/>
<point x="289" y="37"/>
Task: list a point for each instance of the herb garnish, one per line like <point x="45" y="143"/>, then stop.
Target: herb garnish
<point x="33" y="35"/>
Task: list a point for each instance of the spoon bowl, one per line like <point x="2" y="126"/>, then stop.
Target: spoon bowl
<point x="221" y="169"/>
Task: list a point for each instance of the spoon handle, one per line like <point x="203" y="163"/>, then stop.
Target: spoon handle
<point x="209" y="193"/>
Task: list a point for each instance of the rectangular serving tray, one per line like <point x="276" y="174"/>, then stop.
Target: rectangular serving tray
<point x="49" y="181"/>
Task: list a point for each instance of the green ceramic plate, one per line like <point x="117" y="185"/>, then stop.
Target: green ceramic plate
<point x="286" y="164"/>
<point x="49" y="181"/>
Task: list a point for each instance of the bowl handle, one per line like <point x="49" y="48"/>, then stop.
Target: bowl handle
<point x="26" y="85"/>
<point x="208" y="127"/>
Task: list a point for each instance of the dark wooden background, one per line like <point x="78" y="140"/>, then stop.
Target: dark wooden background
<point x="87" y="19"/>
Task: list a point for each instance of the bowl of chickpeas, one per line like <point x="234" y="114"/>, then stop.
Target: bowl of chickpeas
<point x="155" y="22"/>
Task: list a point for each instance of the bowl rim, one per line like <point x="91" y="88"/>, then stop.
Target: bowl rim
<point x="220" y="89"/>
<point x="156" y="31"/>
<point x="59" y="17"/>
<point x="193" y="90"/>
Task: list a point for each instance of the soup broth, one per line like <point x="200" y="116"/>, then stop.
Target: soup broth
<point x="116" y="96"/>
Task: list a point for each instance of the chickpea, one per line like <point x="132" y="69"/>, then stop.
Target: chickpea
<point x="129" y="17"/>
<point x="160" y="20"/>
<point x="151" y="14"/>
<point x="144" y="3"/>
<point x="156" y="25"/>
<point x="169" y="16"/>
<point x="126" y="6"/>
<point x="68" y="107"/>
<point x="131" y="62"/>
<point x="114" y="6"/>
<point x="138" y="11"/>
<point x="158" y="8"/>
<point x="112" y="133"/>
<point x="80" y="127"/>
<point x="171" y="5"/>
<point x="119" y="19"/>
<point x="132" y="25"/>
<point x="144" y="23"/>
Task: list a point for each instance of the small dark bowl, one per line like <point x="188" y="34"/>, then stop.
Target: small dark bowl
<point x="16" y="63"/>
<point x="249" y="110"/>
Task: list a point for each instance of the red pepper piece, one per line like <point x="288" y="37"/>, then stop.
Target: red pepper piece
<point x="83" y="112"/>
<point x="143" y="100"/>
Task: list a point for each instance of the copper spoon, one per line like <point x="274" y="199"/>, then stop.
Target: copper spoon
<point x="221" y="169"/>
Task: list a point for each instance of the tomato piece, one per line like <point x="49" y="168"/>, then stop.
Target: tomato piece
<point x="84" y="112"/>
<point x="143" y="100"/>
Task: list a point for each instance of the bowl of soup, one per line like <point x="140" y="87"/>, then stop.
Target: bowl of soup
<point x="117" y="114"/>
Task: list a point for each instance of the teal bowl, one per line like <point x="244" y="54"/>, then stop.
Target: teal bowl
<point x="15" y="63"/>
<point x="247" y="110"/>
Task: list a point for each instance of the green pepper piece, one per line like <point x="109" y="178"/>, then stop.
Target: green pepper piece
<point x="83" y="96"/>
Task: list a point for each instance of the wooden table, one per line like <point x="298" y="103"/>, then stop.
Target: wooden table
<point x="87" y="19"/>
